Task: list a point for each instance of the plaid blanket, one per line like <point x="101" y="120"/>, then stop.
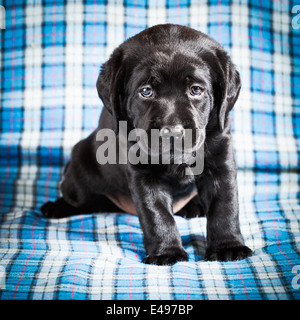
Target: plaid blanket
<point x="51" y="52"/>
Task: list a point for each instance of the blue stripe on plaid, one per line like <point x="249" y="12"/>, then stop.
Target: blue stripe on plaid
<point x="51" y="52"/>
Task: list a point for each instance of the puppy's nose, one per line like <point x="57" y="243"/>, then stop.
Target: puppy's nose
<point x="175" y="131"/>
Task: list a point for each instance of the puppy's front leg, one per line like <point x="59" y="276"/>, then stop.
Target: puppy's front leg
<point x="154" y="207"/>
<point x="224" y="238"/>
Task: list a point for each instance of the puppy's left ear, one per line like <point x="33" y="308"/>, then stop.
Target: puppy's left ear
<point x="228" y="88"/>
<point x="110" y="87"/>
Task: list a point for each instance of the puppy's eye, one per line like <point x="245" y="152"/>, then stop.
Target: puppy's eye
<point x="196" y="91"/>
<point x="146" y="92"/>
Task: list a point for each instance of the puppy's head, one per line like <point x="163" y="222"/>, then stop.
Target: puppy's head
<point x="170" y="78"/>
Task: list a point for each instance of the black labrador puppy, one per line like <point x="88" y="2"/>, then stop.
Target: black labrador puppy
<point x="171" y="78"/>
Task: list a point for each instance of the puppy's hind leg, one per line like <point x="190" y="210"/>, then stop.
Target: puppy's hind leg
<point x="61" y="209"/>
<point x="58" y="209"/>
<point x="191" y="209"/>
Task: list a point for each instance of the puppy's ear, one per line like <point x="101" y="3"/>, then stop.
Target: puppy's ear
<point x="227" y="87"/>
<point x="110" y="86"/>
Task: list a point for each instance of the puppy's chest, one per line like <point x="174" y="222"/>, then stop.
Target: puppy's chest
<point x="182" y="194"/>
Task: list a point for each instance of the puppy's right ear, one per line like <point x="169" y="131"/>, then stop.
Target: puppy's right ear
<point x="110" y="87"/>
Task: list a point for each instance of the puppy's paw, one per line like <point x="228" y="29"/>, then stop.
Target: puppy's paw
<point x="47" y="209"/>
<point x="189" y="214"/>
<point x="228" y="253"/>
<point x="190" y="211"/>
<point x="168" y="257"/>
<point x="57" y="209"/>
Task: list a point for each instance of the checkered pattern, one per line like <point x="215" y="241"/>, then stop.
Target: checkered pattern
<point x="51" y="52"/>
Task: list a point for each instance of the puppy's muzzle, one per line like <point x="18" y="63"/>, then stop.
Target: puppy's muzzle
<point x="172" y="131"/>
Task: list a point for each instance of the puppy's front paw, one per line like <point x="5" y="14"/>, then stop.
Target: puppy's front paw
<point x="168" y="257"/>
<point x="228" y="253"/>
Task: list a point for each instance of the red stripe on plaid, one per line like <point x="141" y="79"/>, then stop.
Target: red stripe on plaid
<point x="241" y="278"/>
<point x="11" y="105"/>
<point x="132" y="244"/>
<point x="219" y="21"/>
<point x="186" y="284"/>
<point x="94" y="57"/>
<point x="135" y="16"/>
<point x="285" y="84"/>
<point x="219" y="39"/>
<point x="130" y="237"/>
<point x="53" y="105"/>
<point x="273" y="162"/>
<point x="264" y="134"/>
<point x="178" y="12"/>
<point x="78" y="262"/>
<point x="130" y="273"/>
<point x="83" y="117"/>
<point x="26" y="262"/>
<point x="104" y="34"/>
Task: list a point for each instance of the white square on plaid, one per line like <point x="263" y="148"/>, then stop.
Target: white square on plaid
<point x="156" y="13"/>
<point x="115" y="25"/>
<point x="34" y="14"/>
<point x="198" y="16"/>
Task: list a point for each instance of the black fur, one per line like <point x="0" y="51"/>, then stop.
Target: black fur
<point x="169" y="58"/>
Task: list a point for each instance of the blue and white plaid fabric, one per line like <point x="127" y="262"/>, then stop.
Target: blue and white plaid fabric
<point x="51" y="52"/>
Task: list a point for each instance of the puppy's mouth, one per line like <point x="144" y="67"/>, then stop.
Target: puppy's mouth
<point x="173" y="148"/>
